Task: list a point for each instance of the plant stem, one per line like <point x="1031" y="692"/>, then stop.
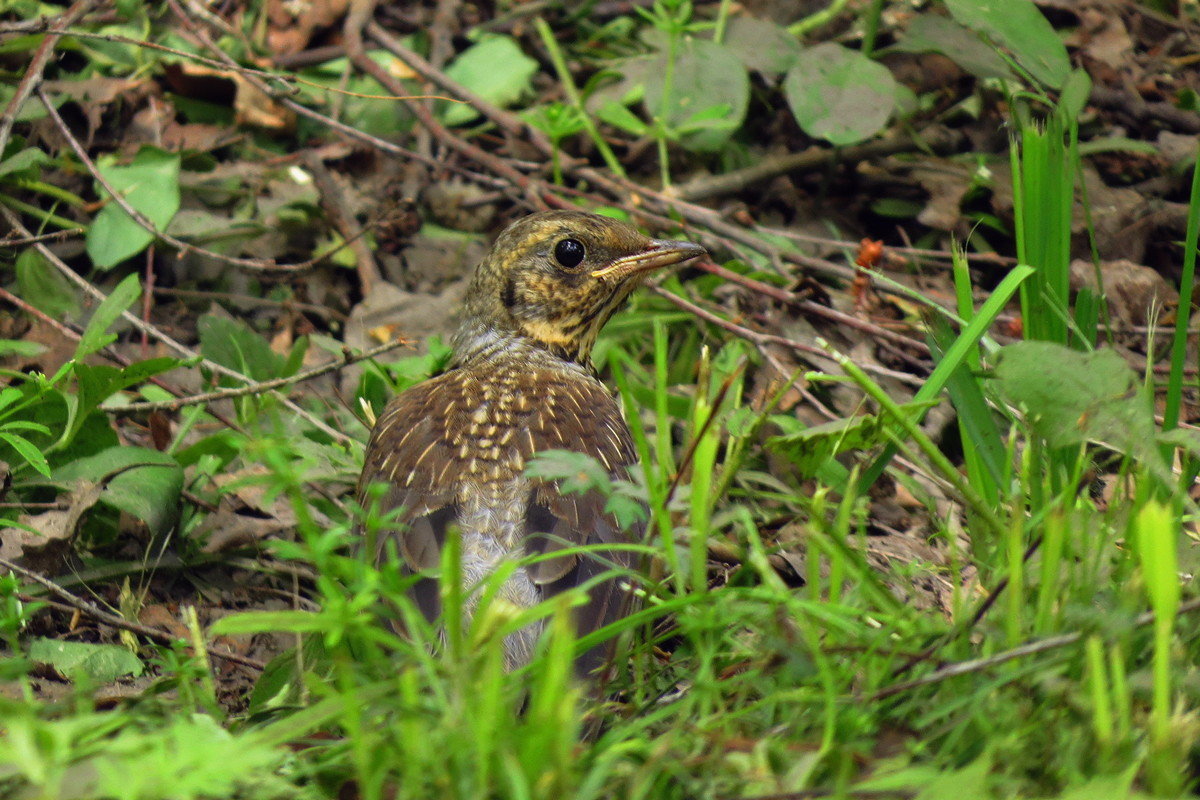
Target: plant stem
<point x="572" y="92"/>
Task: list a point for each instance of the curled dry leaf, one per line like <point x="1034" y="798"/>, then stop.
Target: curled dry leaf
<point x="251" y="106"/>
<point x="1137" y="294"/>
<point x="49" y="531"/>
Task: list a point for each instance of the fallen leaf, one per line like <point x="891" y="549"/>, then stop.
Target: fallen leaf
<point x="50" y="529"/>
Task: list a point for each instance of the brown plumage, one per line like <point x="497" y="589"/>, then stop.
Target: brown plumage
<point x="453" y="450"/>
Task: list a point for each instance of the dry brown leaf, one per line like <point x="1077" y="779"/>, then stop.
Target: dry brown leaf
<point x="1102" y="36"/>
<point x="1136" y="294"/>
<point x="293" y="22"/>
<point x="50" y="529"/>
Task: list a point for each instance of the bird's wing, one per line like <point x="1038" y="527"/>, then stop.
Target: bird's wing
<point x="422" y="449"/>
<point x="580" y="416"/>
<point x="412" y="451"/>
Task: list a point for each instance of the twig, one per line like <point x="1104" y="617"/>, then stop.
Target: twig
<point x="937" y="139"/>
<point x="767" y="338"/>
<point x="816" y="309"/>
<point x="1138" y="110"/>
<point x="99" y="614"/>
<point x="45" y="318"/>
<point x="262" y="264"/>
<point x="140" y="325"/>
<point x="57" y="236"/>
<point x="202" y="39"/>
<point x="261" y="386"/>
<point x="33" y="72"/>
<point x="506" y="121"/>
<point x="1030" y="648"/>
<point x="333" y="203"/>
<point x="536" y="189"/>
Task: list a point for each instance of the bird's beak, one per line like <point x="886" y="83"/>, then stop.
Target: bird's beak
<point x="658" y="253"/>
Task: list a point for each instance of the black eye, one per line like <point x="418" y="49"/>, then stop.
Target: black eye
<point x="569" y="253"/>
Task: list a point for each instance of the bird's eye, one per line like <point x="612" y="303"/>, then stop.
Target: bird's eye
<point x="569" y="253"/>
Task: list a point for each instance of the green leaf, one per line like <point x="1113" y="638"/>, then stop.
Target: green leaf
<point x="318" y="85"/>
<point x="930" y="33"/>
<point x="1020" y="27"/>
<point x="151" y="186"/>
<point x="708" y="95"/>
<point x="266" y="621"/>
<point x="137" y="480"/>
<point x="621" y="117"/>
<point x="27" y="450"/>
<point x="1157" y="547"/>
<point x="839" y="94"/>
<point x="496" y="70"/>
<point x="811" y="448"/>
<point x="20" y="348"/>
<point x="44" y="287"/>
<point x="575" y="473"/>
<point x="29" y="161"/>
<point x="1074" y="95"/>
<point x="232" y="343"/>
<point x="98" y="383"/>
<point x="762" y="45"/>
<point x="1072" y="397"/>
<point x="96" y="335"/>
<point x="102" y="663"/>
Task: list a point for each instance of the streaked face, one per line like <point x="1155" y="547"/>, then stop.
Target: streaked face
<point x="557" y="277"/>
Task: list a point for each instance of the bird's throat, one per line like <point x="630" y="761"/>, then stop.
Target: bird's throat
<point x="475" y="343"/>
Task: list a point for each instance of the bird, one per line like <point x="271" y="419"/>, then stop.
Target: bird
<point x="451" y="451"/>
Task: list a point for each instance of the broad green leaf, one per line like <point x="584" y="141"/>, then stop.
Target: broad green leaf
<point x="137" y="480"/>
<point x="44" y="287"/>
<point x="839" y="94"/>
<point x="98" y="383"/>
<point x="707" y="97"/>
<point x="232" y="343"/>
<point x="1021" y="28"/>
<point x="151" y="186"/>
<point x="811" y="448"/>
<point x="102" y="663"/>
<point x="20" y="348"/>
<point x="930" y="33"/>
<point x="32" y="108"/>
<point x="28" y="160"/>
<point x="496" y="70"/>
<point x="359" y="96"/>
<point x="1074" y="96"/>
<point x="1072" y="397"/>
<point x="96" y="334"/>
<point x="762" y="45"/>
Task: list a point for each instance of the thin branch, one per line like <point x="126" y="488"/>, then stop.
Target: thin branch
<point x="767" y="338"/>
<point x="95" y="612"/>
<point x="33" y="73"/>
<point x="508" y="122"/>
<point x="1028" y="649"/>
<point x="261" y="386"/>
<point x="146" y="327"/>
<point x="287" y="305"/>
<point x="814" y="158"/>
<point x="831" y="314"/>
<point x="262" y="264"/>
<point x="333" y="203"/>
<point x="57" y="236"/>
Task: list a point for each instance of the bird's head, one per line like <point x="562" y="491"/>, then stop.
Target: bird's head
<point x="554" y="278"/>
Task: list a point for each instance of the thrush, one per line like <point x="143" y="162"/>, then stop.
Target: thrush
<point x="452" y="450"/>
